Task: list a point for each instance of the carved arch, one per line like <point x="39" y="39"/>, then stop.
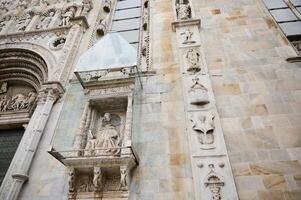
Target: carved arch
<point x="23" y="65"/>
<point x="41" y="52"/>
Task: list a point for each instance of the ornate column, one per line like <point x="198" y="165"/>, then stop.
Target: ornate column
<point x="47" y="97"/>
<point x="212" y="175"/>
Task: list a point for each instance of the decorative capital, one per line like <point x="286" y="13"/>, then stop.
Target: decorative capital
<point x="51" y="91"/>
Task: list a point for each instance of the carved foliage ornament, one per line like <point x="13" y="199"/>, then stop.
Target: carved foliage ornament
<point x="58" y="43"/>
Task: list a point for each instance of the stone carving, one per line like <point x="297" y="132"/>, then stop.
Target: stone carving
<point x="192" y="58"/>
<point x="71" y="180"/>
<point x="24" y="21"/>
<point x="68" y="15"/>
<point x="91" y="145"/>
<point x="203" y="124"/>
<point x="96" y="75"/>
<point x="4" y="22"/>
<point x="3" y="88"/>
<point x="22" y="4"/>
<point x="183" y="10"/>
<point x="215" y="183"/>
<point x="97" y="178"/>
<point x="107" y="137"/>
<point x="124" y="178"/>
<point x="198" y="93"/>
<point x="58" y="43"/>
<point x="187" y="36"/>
<point x="107" y="6"/>
<point x="102" y="27"/>
<point x="85" y="184"/>
<point x="4" y="6"/>
<point x="45" y="20"/>
<point x="17" y="102"/>
<point x="87" y="6"/>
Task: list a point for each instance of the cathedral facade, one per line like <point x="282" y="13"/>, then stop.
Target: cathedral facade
<point x="150" y="99"/>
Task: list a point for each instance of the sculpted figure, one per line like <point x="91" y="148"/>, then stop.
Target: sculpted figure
<point x="123" y="178"/>
<point x="17" y="101"/>
<point x="45" y="21"/>
<point x="69" y="14"/>
<point x="3" y="103"/>
<point x="183" y="10"/>
<point x="97" y="178"/>
<point x="29" y="101"/>
<point x="187" y="36"/>
<point x="87" y="6"/>
<point x="23" y="22"/>
<point x="3" y="22"/>
<point x="204" y="126"/>
<point x="3" y="88"/>
<point x="193" y="60"/>
<point x="71" y="180"/>
<point x="91" y="145"/>
<point x="107" y="137"/>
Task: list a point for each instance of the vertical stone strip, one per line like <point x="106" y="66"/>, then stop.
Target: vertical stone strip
<point x="212" y="174"/>
<point x="47" y="97"/>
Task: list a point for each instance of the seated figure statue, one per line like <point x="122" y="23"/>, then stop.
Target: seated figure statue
<point x="107" y="138"/>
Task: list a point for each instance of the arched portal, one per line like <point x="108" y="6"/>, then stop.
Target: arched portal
<point x="22" y="74"/>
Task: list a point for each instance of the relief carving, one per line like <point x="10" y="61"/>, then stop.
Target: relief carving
<point x="68" y="15"/>
<point x="4" y="22"/>
<point x="198" y="93"/>
<point x="107" y="140"/>
<point x="192" y="59"/>
<point x="215" y="183"/>
<point x="3" y="88"/>
<point x="183" y="10"/>
<point x="124" y="178"/>
<point x="187" y="36"/>
<point x="203" y="124"/>
<point x="17" y="102"/>
<point x="85" y="184"/>
<point x="45" y="20"/>
<point x="58" y="43"/>
<point x="102" y="27"/>
<point x="24" y="21"/>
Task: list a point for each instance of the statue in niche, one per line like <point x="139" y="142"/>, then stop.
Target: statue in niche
<point x="67" y="16"/>
<point x="183" y="10"/>
<point x="3" y="103"/>
<point x="198" y="93"/>
<point x="3" y="23"/>
<point x="187" y="36"/>
<point x="71" y="180"/>
<point x="45" y="21"/>
<point x="107" y="6"/>
<point x="193" y="60"/>
<point x="107" y="137"/>
<point x="97" y="178"/>
<point x="204" y="126"/>
<point x="215" y="183"/>
<point x="87" y="6"/>
<point x="23" y="22"/>
<point x="3" y="88"/>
